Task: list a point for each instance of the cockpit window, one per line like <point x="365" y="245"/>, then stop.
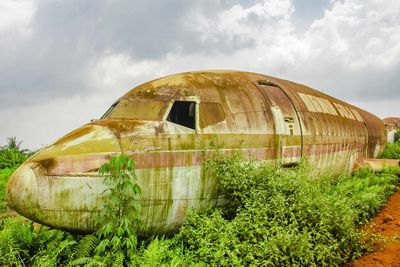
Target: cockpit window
<point x="183" y="113"/>
<point x="152" y="110"/>
<point x="109" y="110"/>
<point x="210" y="114"/>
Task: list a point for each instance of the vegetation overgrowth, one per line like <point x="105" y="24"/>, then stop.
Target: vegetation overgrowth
<point x="12" y="155"/>
<point x="115" y="242"/>
<point x="397" y="136"/>
<point x="276" y="216"/>
<point x="391" y="151"/>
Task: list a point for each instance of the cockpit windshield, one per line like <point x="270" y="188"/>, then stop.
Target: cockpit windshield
<point x="140" y="109"/>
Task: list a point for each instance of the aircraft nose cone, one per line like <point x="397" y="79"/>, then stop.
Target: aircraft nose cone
<point x="21" y="190"/>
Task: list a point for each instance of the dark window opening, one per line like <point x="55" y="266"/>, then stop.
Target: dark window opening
<point x="183" y="113"/>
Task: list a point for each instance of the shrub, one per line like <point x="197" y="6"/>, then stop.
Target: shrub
<point x="4" y="174"/>
<point x="281" y="217"/>
<point x="397" y="136"/>
<point x="391" y="151"/>
<point x="11" y="155"/>
<point x="23" y="245"/>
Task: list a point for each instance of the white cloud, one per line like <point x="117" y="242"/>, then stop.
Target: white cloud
<point x="16" y="16"/>
<point x="121" y="71"/>
<point x="361" y="34"/>
<point x="340" y="53"/>
<point x="237" y="24"/>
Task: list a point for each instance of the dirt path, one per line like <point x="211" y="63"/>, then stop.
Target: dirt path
<point x="386" y="223"/>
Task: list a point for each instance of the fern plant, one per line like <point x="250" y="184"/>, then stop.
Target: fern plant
<point x="115" y="242"/>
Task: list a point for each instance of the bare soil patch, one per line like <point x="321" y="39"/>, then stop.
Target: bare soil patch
<point x="387" y="224"/>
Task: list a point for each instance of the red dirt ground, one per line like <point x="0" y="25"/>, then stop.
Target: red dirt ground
<point x="387" y="224"/>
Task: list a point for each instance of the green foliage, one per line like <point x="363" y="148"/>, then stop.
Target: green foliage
<point x="11" y="155"/>
<point x="23" y="245"/>
<point x="281" y="217"/>
<point x="124" y="192"/>
<point x="391" y="151"/>
<point x="4" y="175"/>
<point x="276" y="217"/>
<point x="162" y="252"/>
<point x="397" y="136"/>
<point x="115" y="242"/>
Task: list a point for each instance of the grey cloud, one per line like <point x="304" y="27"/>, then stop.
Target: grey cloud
<point x="337" y="81"/>
<point x="69" y="37"/>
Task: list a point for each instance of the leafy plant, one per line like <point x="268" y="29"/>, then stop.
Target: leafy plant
<point x="391" y="151"/>
<point x="281" y="217"/>
<point x="115" y="242"/>
<point x="397" y="136"/>
<point x="4" y="174"/>
<point x="23" y="245"/>
<point x="11" y="155"/>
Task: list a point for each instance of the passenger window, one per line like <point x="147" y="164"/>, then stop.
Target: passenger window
<point x="210" y="113"/>
<point x="183" y="113"/>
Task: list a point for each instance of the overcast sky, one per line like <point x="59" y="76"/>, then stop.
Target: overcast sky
<point x="63" y="63"/>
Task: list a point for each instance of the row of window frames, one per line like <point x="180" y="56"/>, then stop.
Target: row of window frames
<point x="184" y="113"/>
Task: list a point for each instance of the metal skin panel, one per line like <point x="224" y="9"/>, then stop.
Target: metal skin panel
<point x="273" y="120"/>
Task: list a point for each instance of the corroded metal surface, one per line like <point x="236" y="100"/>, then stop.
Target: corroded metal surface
<point x="392" y="125"/>
<point x="264" y="117"/>
<point x="394" y="122"/>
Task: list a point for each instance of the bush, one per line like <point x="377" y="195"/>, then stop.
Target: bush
<point x="4" y="174"/>
<point x="23" y="245"/>
<point x="281" y="217"/>
<point x="397" y="136"/>
<point x="11" y="155"/>
<point x="391" y="151"/>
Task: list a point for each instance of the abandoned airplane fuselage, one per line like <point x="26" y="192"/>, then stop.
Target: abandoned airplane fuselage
<point x="170" y="126"/>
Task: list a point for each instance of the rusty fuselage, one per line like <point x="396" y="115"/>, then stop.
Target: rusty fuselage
<point x="170" y="126"/>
